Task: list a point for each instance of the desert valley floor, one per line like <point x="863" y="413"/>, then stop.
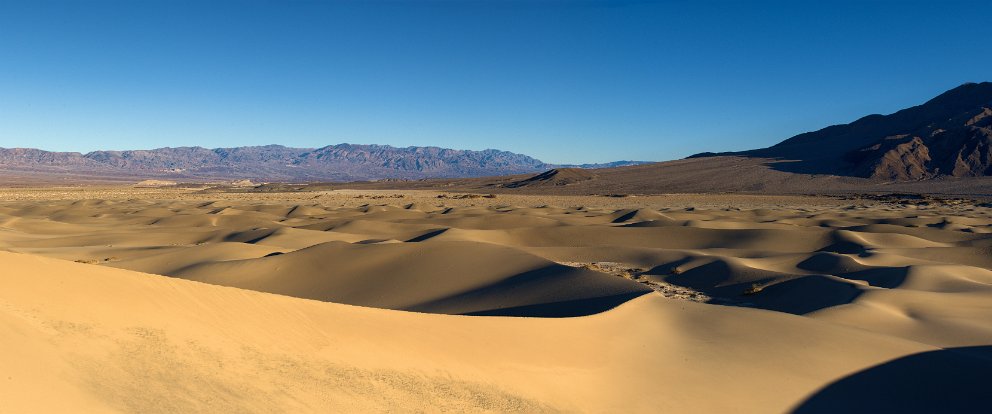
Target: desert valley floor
<point x="117" y="299"/>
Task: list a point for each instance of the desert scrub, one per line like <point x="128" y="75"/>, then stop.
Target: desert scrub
<point x="754" y="289"/>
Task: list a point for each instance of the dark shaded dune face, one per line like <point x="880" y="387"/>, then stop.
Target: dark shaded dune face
<point x="956" y="382"/>
<point x="639" y="215"/>
<point x="830" y="263"/>
<point x="807" y="294"/>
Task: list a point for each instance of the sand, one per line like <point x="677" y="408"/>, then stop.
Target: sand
<point x="173" y="300"/>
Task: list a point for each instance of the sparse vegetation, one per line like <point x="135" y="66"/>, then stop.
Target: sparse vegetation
<point x="754" y="289"/>
<point x="465" y="196"/>
<point x="96" y="261"/>
<point x="379" y="196"/>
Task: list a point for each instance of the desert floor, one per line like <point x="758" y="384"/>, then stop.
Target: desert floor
<point x="121" y="299"/>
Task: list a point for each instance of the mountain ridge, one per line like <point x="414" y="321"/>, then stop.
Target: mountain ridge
<point x="949" y="135"/>
<point x="339" y="162"/>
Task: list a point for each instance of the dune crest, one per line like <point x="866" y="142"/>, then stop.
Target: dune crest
<point x="119" y="341"/>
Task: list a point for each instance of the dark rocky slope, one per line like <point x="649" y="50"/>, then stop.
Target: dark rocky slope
<point x="950" y="135"/>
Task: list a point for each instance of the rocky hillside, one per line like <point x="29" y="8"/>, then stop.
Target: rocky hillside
<point x="950" y="135"/>
<point x="344" y="162"/>
<point x="960" y="147"/>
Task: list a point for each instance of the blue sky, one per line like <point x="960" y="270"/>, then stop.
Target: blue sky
<point x="582" y="81"/>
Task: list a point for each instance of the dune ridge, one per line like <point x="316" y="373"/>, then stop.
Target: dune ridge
<point x="115" y="340"/>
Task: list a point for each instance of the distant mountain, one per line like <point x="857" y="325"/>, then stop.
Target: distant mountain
<point x="343" y="162"/>
<point x="950" y="135"/>
<point x="625" y="163"/>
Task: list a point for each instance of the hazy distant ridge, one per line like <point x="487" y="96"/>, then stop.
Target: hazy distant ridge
<point x="342" y="162"/>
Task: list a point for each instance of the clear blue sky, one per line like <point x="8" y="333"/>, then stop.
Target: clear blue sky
<point x="583" y="81"/>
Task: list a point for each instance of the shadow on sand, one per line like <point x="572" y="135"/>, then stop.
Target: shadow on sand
<point x="554" y="291"/>
<point x="956" y="380"/>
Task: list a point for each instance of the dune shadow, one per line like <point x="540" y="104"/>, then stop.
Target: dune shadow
<point x="955" y="380"/>
<point x="729" y="284"/>
<point x="884" y="277"/>
<point x="563" y="309"/>
<point x="250" y="236"/>
<point x="549" y="292"/>
<point x="805" y="294"/>
<point x="798" y="294"/>
<point x="427" y="236"/>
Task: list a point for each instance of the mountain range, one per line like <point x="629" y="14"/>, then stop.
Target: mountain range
<point x="949" y="136"/>
<point x="342" y="162"/>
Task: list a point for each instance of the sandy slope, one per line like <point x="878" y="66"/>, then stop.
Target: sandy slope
<point x="115" y="340"/>
<point x="825" y="297"/>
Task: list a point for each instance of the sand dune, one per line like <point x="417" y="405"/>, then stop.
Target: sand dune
<point x="443" y="277"/>
<point x="113" y="340"/>
<point x="807" y="297"/>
